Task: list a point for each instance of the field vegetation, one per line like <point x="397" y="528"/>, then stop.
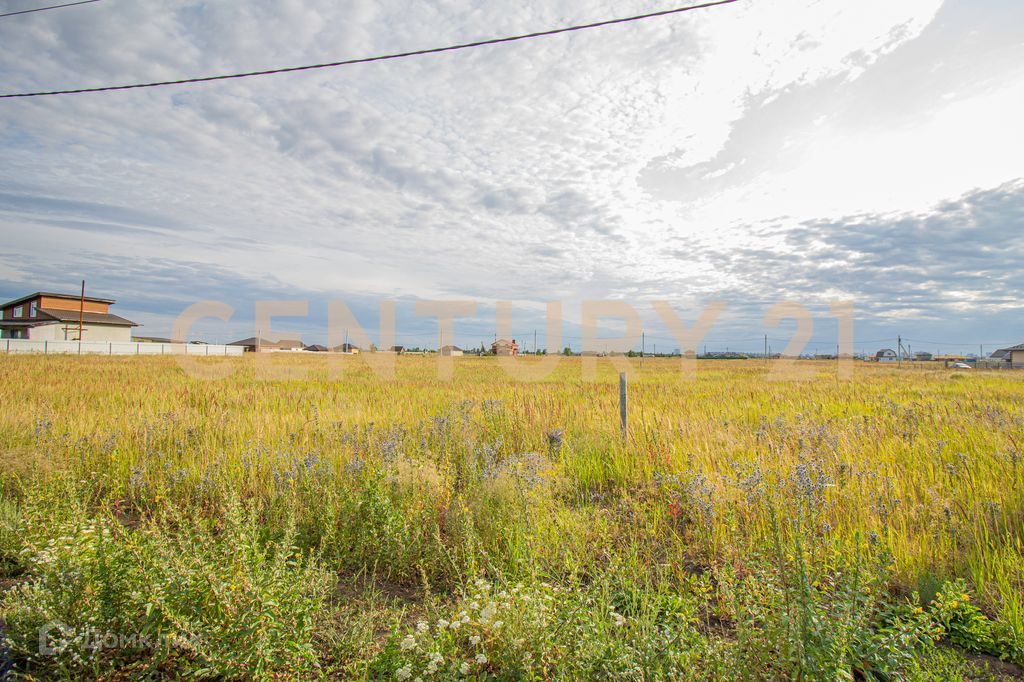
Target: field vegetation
<point x="164" y="526"/>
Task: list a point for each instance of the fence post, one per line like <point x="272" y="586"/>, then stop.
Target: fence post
<point x="110" y="347"/>
<point x="46" y="346"/>
<point x="622" y="405"/>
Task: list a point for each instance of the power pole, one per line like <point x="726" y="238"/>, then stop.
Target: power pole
<point x="643" y="347"/>
<point x="534" y="341"/>
<point x="81" y="316"/>
<point x="899" y="351"/>
<point x="766" y="349"/>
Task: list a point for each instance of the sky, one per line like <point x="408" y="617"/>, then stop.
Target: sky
<point x="754" y="153"/>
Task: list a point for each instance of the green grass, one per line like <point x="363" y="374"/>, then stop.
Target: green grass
<point x="317" y="528"/>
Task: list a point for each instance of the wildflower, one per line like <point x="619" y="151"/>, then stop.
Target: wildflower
<point x="481" y="659"/>
<point x="619" y="619"/>
<point x="474" y="640"/>
<point x="442" y="624"/>
<point x="408" y="643"/>
<point x="404" y="673"/>
<point x="498" y="624"/>
<point x="422" y="627"/>
<point x="464" y="668"/>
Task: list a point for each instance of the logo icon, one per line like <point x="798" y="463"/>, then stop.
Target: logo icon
<point x="52" y="633"/>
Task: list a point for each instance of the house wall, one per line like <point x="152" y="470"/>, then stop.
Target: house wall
<point x="1017" y="357"/>
<point x="61" y="331"/>
<point x="68" y="304"/>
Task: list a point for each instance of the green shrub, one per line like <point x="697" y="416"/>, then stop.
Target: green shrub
<point x="220" y="600"/>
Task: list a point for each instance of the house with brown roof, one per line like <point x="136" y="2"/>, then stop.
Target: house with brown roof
<point x="255" y="344"/>
<point x="46" y="316"/>
<point x="505" y="347"/>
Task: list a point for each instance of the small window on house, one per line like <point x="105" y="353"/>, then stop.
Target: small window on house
<point x="18" y="311"/>
<point x="32" y="308"/>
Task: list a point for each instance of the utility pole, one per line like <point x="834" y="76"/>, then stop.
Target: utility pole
<point x="643" y="347"/>
<point x="899" y="351"/>
<point x="81" y="317"/>
<point x="766" y="349"/>
<point x="534" y="341"/>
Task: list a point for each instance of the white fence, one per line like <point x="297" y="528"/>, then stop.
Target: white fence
<point x="115" y="348"/>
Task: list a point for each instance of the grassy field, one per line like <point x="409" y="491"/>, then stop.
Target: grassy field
<point x="486" y="528"/>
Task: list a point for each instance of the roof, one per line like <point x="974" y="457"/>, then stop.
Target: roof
<point x="86" y="317"/>
<point x="72" y="297"/>
<point x="316" y="347"/>
<point x="450" y="348"/>
<point x="263" y="343"/>
<point x="49" y="316"/>
<point x="1004" y="351"/>
<point x="251" y="341"/>
<point x="885" y="351"/>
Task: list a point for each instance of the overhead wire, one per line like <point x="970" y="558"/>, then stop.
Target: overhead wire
<point x="44" y="9"/>
<point x="378" y="58"/>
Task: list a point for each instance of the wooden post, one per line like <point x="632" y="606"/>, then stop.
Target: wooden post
<point x="622" y="405"/>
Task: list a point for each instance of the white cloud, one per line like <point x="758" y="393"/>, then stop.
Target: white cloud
<point x="560" y="168"/>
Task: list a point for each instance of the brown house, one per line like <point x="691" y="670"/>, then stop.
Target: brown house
<point x="255" y="344"/>
<point x="45" y="316"/>
<point x="505" y="347"/>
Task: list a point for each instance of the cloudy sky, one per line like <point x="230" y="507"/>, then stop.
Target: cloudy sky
<point x="754" y="152"/>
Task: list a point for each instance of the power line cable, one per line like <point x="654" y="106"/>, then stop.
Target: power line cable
<point x="379" y="58"/>
<point x="43" y="9"/>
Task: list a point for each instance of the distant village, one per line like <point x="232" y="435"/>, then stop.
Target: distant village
<point x="62" y="323"/>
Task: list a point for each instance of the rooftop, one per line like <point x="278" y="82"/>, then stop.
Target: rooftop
<point x="50" y="294"/>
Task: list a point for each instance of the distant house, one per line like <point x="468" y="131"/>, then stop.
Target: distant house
<point x="950" y="358"/>
<point x="255" y="344"/>
<point x="1014" y="355"/>
<point x="45" y="316"/>
<point x="315" y="348"/>
<point x="150" y="339"/>
<point x="886" y="355"/>
<point x="453" y="351"/>
<point x="505" y="347"/>
<point x="397" y="349"/>
<point x="923" y="356"/>
<point x="346" y="348"/>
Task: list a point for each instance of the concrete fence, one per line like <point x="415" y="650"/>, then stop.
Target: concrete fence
<point x="115" y="348"/>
